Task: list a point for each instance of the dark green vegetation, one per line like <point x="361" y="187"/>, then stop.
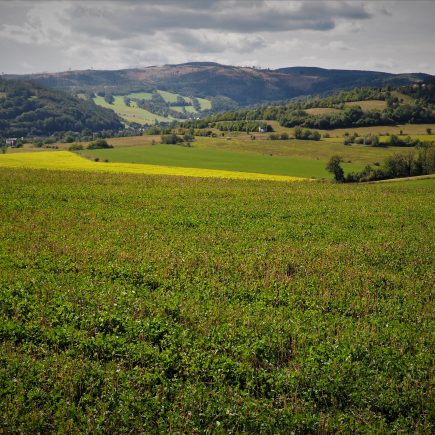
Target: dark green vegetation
<point x="228" y="85"/>
<point x="398" y="165"/>
<point x="27" y="109"/>
<point x="398" y="110"/>
<point x="154" y="304"/>
<point x="99" y="144"/>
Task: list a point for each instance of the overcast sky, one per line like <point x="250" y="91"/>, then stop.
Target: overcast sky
<point x="394" y="36"/>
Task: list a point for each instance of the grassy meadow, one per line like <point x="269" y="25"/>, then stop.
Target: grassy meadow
<point x="365" y="105"/>
<point x="368" y="104"/>
<point x="133" y="113"/>
<point x="154" y="304"/>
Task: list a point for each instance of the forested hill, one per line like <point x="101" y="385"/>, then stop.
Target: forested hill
<point x="243" y="85"/>
<point x="359" y="107"/>
<point x="28" y="109"/>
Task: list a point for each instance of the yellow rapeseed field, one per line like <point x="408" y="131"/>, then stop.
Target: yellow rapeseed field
<point x="68" y="161"/>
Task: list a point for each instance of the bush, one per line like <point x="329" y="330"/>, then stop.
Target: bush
<point x="334" y="167"/>
<point x="396" y="141"/>
<point x="76" y="147"/>
<point x="99" y="144"/>
<point x="171" y="139"/>
<point x="306" y="134"/>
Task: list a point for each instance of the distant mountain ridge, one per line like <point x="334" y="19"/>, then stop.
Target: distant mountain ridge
<point x="244" y="85"/>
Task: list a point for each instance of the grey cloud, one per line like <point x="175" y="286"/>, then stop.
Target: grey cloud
<point x="205" y="43"/>
<point x="242" y="17"/>
<point x="54" y="35"/>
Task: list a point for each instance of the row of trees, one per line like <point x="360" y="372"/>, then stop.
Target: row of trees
<point x="247" y="126"/>
<point x="306" y="134"/>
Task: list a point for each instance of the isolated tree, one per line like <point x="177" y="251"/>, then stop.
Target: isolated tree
<point x="3" y="146"/>
<point x="334" y="167"/>
<point x="109" y="98"/>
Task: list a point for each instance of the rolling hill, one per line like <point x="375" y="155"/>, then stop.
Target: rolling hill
<point x="242" y="85"/>
<point x="28" y="109"/>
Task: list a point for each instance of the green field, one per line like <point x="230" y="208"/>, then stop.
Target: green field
<point x="149" y="304"/>
<point x="133" y="113"/>
<point x="297" y="158"/>
<point x="196" y="157"/>
<point x="365" y="105"/>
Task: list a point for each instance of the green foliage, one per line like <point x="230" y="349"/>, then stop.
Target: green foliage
<point x="400" y="165"/>
<point x="343" y="116"/>
<point x="406" y="142"/>
<point x="108" y="98"/>
<point x="137" y="304"/>
<point x="76" y="147"/>
<point x="334" y="168"/>
<point x="99" y="144"/>
<point x="368" y="139"/>
<point x="306" y="134"/>
<point x="246" y="126"/>
<point x="282" y="136"/>
<point x="171" y="139"/>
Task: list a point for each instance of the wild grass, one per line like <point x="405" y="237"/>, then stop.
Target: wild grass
<point x="155" y="304"/>
<point x="368" y="104"/>
<point x="321" y="110"/>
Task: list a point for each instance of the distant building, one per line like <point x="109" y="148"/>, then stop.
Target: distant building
<point x="262" y="129"/>
<point x="11" y="141"/>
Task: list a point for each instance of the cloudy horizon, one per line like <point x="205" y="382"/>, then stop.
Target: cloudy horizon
<point x="50" y="36"/>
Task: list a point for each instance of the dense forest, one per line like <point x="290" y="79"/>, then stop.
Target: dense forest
<point x="28" y="109"/>
<point x="398" y="111"/>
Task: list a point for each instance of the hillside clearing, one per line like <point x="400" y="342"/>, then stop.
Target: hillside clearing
<point x="131" y="113"/>
<point x="368" y="104"/>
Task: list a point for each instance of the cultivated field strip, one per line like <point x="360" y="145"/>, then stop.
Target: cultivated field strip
<point x="67" y="161"/>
